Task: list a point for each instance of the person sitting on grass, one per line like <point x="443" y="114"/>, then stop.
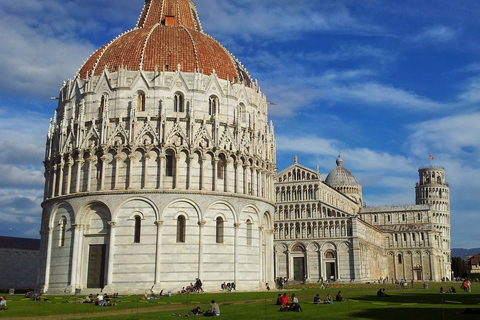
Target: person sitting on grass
<point x="294" y="304"/>
<point x="339" y="297"/>
<point x="3" y="303"/>
<point x="328" y="300"/>
<point x="316" y="299"/>
<point x="284" y="302"/>
<point x="279" y="300"/>
<point x="214" y="310"/>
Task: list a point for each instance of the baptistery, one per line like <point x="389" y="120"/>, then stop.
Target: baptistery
<point x="159" y="165"/>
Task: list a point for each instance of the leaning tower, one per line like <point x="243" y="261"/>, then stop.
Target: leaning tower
<point x="159" y="165"/>
<point x="432" y="189"/>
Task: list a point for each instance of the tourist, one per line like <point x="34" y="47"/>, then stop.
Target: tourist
<point x="316" y="299"/>
<point x="339" y="297"/>
<point x="294" y="304"/>
<point x="214" y="310"/>
<point x="3" y="303"/>
<point x="328" y="300"/>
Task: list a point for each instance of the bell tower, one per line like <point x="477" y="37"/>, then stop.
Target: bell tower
<point x="432" y="189"/>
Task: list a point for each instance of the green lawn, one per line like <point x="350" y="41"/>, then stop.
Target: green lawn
<point x="362" y="303"/>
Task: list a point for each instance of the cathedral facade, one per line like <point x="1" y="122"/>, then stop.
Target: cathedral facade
<point x="324" y="232"/>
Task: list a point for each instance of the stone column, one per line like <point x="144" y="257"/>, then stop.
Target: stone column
<point x="91" y="161"/>
<point x="146" y="157"/>
<point x="176" y="185"/>
<point x="131" y="158"/>
<point x="226" y="183"/>
<point x="60" y="177"/>
<point x="49" y="258"/>
<point x="236" y="225"/>
<point x="54" y="180"/>
<point x="202" y="173"/>
<point x="111" y="249"/>
<point x="201" y="224"/>
<point x="161" y="158"/>
<point x="117" y="158"/>
<point x="80" y="163"/>
<point x="189" y="170"/>
<point x="307" y="265"/>
<point x="76" y="256"/>
<point x="290" y="273"/>
<point x="237" y="180"/>
<point x="261" y="257"/>
<point x="214" y="173"/>
<point x="158" y="247"/>
<point x="104" y="159"/>
<point x="69" y="174"/>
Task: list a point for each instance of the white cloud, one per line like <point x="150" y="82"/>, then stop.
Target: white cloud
<point x="437" y="34"/>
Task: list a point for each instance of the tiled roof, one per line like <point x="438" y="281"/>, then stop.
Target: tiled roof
<point x="19" y="243"/>
<point x="168" y="33"/>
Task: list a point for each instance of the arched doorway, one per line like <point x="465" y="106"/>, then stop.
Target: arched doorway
<point x="299" y="265"/>
<point x="330" y="266"/>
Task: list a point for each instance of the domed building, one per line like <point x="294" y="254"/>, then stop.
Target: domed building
<point x="324" y="232"/>
<point x="159" y="165"/>
<point x="343" y="181"/>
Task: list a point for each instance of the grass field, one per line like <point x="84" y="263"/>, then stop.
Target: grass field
<point x="361" y="303"/>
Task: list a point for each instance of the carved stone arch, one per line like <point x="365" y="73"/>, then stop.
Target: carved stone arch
<point x="92" y="139"/>
<point x="119" y="137"/>
<point x="147" y="136"/>
<point x="226" y="141"/>
<point x="175" y="136"/>
<point x="202" y="138"/>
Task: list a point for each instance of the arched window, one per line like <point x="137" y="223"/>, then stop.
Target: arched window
<point x="403" y="217"/>
<point x="329" y="255"/>
<point x="219" y="230"/>
<point x="243" y="112"/>
<point x="141" y="101"/>
<point x="63" y="231"/>
<point x="249" y="232"/>
<point x="399" y="258"/>
<point x="181" y="228"/>
<point x="213" y="107"/>
<point x="138" y="226"/>
<point x="169" y="164"/>
<point x="178" y="103"/>
<point x="389" y="218"/>
<point x="103" y="103"/>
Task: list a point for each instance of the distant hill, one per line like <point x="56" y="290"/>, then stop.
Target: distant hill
<point x="461" y="252"/>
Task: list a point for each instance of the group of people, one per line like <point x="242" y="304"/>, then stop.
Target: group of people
<point x="229" y="286"/>
<point x="328" y="299"/>
<point x="381" y="293"/>
<point x="466" y="285"/>
<point x="197" y="311"/>
<point x="197" y="287"/>
<point x="286" y="304"/>
<point x="154" y="296"/>
<point x="450" y="290"/>
<point x="280" y="281"/>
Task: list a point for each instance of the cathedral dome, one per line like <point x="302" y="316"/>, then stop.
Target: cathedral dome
<point x="340" y="175"/>
<point x="168" y="35"/>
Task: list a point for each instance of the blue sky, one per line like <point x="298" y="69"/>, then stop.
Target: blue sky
<point x="386" y="83"/>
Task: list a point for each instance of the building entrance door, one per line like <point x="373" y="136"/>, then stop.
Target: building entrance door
<point x="96" y="266"/>
<point x="419" y="274"/>
<point x="330" y="268"/>
<point x="298" y="268"/>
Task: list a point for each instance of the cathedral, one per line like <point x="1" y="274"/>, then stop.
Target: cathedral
<point x="160" y="168"/>
<point x="323" y="231"/>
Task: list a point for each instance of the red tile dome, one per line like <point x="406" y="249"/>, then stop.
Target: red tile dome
<point x="168" y="33"/>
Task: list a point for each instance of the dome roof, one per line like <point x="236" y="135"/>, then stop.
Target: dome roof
<point x="340" y="176"/>
<point x="168" y="33"/>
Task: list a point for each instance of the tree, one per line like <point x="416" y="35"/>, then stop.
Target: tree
<point x="458" y="267"/>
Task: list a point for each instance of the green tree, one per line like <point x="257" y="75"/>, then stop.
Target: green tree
<point x="458" y="267"/>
